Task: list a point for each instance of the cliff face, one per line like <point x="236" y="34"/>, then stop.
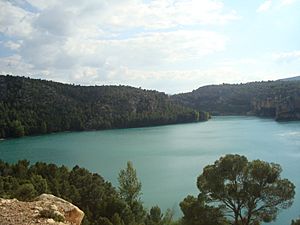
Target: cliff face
<point x="289" y="109"/>
<point x="46" y="209"/>
<point x="264" y="107"/>
<point x="277" y="99"/>
<point x="286" y="108"/>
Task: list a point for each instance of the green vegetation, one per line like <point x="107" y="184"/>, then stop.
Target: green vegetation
<point x="52" y="214"/>
<point x="197" y="212"/>
<point x="295" y="222"/>
<point x="276" y="99"/>
<point x="233" y="191"/>
<point x="30" y="106"/>
<point x="130" y="191"/>
<point x="129" y="185"/>
<point x="251" y="192"/>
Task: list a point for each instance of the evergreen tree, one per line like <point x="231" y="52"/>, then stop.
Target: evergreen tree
<point x="252" y="192"/>
<point x="129" y="185"/>
<point x="130" y="190"/>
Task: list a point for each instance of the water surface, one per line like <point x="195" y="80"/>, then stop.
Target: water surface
<point x="168" y="159"/>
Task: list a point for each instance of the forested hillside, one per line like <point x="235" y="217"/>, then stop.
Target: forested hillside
<point x="277" y="99"/>
<point x="30" y="106"/>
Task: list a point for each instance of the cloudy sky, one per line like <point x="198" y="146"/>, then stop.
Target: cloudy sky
<point x="169" y="45"/>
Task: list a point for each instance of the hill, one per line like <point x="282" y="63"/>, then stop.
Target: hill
<point x="277" y="99"/>
<point x="31" y="106"/>
<point x="297" y="78"/>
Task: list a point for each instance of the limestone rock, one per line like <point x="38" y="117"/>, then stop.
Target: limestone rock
<point x="71" y="212"/>
<point x="280" y="108"/>
<point x="45" y="210"/>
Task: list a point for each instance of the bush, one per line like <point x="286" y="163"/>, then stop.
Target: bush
<point x="52" y="214"/>
<point x="25" y="192"/>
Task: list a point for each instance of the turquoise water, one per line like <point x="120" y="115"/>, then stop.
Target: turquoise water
<point x="168" y="159"/>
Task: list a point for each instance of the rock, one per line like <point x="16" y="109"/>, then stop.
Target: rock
<point x="7" y="201"/>
<point x="53" y="207"/>
<point x="51" y="221"/>
<point x="45" y="210"/>
<point x="70" y="212"/>
<point x="59" y="214"/>
<point x="38" y="208"/>
<point x="280" y="108"/>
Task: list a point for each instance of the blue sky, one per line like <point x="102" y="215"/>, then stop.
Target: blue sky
<point x="168" y="45"/>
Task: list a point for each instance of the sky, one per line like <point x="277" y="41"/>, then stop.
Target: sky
<point x="172" y="46"/>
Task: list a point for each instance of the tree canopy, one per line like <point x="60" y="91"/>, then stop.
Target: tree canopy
<point x="129" y="185"/>
<point x="197" y="212"/>
<point x="249" y="191"/>
<point x="130" y="191"/>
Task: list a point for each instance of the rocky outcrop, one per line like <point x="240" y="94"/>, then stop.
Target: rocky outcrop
<point x="287" y="108"/>
<point x="45" y="210"/>
<point x="265" y="107"/>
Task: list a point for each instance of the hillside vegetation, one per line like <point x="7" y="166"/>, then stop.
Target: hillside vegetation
<point x="30" y="106"/>
<point x="232" y="191"/>
<point x="277" y="99"/>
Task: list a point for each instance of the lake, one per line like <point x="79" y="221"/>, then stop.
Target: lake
<point x="168" y="159"/>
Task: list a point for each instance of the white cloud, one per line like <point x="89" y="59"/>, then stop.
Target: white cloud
<point x="275" y="4"/>
<point x="287" y="56"/>
<point x="14" y="65"/>
<point x="110" y="41"/>
<point x="12" y="45"/>
<point x="162" y="47"/>
<point x="184" y="80"/>
<point x="42" y="4"/>
<point x="155" y="14"/>
<point x="166" y="14"/>
<point x="288" y="2"/>
<point x="94" y="60"/>
<point x="265" y="6"/>
<point x="73" y="38"/>
<point x="15" y="21"/>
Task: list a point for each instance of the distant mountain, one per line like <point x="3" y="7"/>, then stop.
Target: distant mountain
<point x="31" y="106"/>
<point x="277" y="99"/>
<point x="297" y="78"/>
